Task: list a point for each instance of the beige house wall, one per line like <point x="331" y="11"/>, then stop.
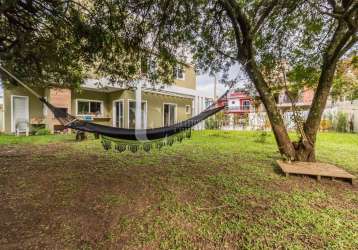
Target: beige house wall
<point x="189" y="80"/>
<point x="155" y="103"/>
<point x="35" y="106"/>
<point x="155" y="106"/>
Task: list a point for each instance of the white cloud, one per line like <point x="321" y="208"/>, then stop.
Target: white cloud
<point x="205" y="82"/>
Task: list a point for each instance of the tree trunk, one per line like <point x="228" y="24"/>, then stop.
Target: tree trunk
<point x="304" y="151"/>
<point x="283" y="141"/>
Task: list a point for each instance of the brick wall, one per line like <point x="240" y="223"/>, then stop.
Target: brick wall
<point x="60" y="98"/>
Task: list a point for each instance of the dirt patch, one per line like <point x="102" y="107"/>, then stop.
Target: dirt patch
<point x="52" y="197"/>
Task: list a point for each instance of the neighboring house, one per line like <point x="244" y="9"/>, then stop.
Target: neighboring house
<point x="239" y="105"/>
<point x="109" y="105"/>
<point x="302" y="101"/>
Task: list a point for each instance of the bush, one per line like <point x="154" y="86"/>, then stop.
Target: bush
<point x="261" y="138"/>
<point x="342" y="122"/>
<point x="35" y="127"/>
<point x="43" y="131"/>
<point x="211" y="123"/>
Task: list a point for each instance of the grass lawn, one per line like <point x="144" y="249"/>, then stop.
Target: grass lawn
<point x="218" y="190"/>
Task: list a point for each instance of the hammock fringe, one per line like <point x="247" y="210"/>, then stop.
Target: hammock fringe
<point x="134" y="146"/>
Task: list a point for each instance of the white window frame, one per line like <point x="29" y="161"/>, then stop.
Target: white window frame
<point x="114" y="113"/>
<point x="176" y="72"/>
<point x="186" y="109"/>
<point x="146" y="112"/>
<point x="175" y="114"/>
<point x="12" y="110"/>
<point x="90" y="100"/>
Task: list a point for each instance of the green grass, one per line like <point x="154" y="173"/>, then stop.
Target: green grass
<point x="39" y="139"/>
<point x="218" y="190"/>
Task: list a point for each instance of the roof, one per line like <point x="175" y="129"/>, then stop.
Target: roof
<point x="239" y="94"/>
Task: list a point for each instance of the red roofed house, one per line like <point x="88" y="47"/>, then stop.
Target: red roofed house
<point x="239" y="105"/>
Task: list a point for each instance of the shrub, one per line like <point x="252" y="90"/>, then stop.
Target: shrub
<point x="43" y="131"/>
<point x="261" y="138"/>
<point x="211" y="123"/>
<point x="342" y="122"/>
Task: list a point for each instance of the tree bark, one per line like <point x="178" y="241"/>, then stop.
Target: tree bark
<point x="303" y="150"/>
<point x="283" y="141"/>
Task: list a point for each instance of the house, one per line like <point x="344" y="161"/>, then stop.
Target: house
<point x="107" y="104"/>
<point x="302" y="101"/>
<point x="239" y="105"/>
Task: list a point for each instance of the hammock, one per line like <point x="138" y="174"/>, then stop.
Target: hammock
<point x="131" y="139"/>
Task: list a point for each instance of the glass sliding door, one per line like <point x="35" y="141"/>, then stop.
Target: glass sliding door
<point x="169" y="114"/>
<point x="131" y="114"/>
<point x="118" y="114"/>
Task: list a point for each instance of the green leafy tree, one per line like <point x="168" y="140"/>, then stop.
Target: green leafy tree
<point x="40" y="43"/>
<point x="120" y="36"/>
<point x="345" y="83"/>
<point x="258" y="35"/>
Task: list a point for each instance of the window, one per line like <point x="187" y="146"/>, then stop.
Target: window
<point x="118" y="114"/>
<point x="188" y="109"/>
<point x="179" y="72"/>
<point x="246" y="105"/>
<point x="131" y="114"/>
<point x="169" y="114"/>
<point x="85" y="107"/>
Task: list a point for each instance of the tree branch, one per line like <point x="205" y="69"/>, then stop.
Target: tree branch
<point x="267" y="11"/>
<point x="230" y="12"/>
<point x="353" y="40"/>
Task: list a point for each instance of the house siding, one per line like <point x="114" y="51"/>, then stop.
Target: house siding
<point x="35" y="106"/>
<point x="189" y="80"/>
<point x="155" y="102"/>
<point x="66" y="98"/>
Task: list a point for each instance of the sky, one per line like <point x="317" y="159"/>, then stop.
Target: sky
<point x="205" y="82"/>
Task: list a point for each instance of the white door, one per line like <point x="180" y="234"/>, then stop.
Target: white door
<point x="20" y="113"/>
<point x="118" y="114"/>
<point x="169" y="114"/>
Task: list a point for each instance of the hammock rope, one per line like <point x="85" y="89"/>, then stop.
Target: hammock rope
<point x="122" y="139"/>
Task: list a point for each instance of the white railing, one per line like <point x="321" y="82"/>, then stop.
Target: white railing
<point x="243" y="108"/>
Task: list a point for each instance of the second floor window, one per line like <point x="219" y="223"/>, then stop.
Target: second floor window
<point x="85" y="107"/>
<point x="179" y="72"/>
<point x="246" y="105"/>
